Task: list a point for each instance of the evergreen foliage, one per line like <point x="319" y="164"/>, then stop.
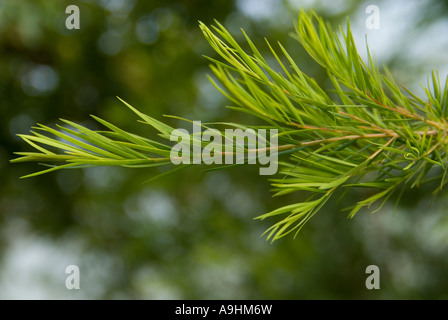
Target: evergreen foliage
<point x="364" y="132"/>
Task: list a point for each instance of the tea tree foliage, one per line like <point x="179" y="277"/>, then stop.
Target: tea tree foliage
<point x="365" y="132"/>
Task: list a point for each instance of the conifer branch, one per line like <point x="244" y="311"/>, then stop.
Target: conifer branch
<point x="367" y="125"/>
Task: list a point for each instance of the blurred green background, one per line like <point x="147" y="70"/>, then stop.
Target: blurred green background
<point x="191" y="235"/>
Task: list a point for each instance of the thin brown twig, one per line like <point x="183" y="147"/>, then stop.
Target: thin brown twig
<point x="363" y="121"/>
<point x="391" y="134"/>
<point x="304" y="126"/>
<point x="406" y="113"/>
<point x="381" y="149"/>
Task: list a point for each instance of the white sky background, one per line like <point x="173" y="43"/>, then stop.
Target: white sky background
<point x="398" y="33"/>
<point x="34" y="267"/>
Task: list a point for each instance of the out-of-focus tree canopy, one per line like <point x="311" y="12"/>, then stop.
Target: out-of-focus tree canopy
<point x="190" y="234"/>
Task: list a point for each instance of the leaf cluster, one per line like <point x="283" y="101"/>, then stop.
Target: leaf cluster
<point x="365" y="131"/>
